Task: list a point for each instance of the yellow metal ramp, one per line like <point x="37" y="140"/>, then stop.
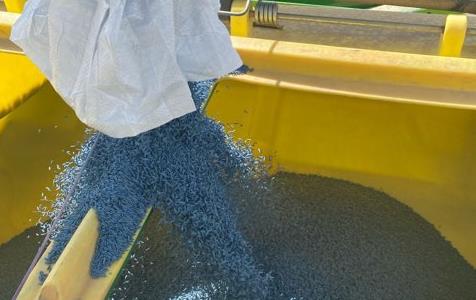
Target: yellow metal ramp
<point x="69" y="278"/>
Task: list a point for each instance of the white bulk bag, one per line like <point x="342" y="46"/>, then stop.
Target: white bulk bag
<point x="123" y="65"/>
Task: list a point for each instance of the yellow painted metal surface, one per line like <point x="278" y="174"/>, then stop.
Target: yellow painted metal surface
<point x="240" y="25"/>
<point x="34" y="136"/>
<point x="14" y="5"/>
<point x="19" y="79"/>
<point x="401" y="77"/>
<point x="402" y="129"/>
<point x="421" y="154"/>
<point x="454" y="35"/>
<point x="7" y="19"/>
<point x="69" y="278"/>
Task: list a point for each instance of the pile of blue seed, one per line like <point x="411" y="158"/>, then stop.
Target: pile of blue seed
<point x="182" y="168"/>
<point x="318" y="238"/>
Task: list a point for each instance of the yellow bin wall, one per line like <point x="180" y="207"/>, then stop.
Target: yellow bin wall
<point x="423" y="155"/>
<point x="36" y="131"/>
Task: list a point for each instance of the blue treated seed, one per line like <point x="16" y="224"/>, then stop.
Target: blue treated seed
<point x="183" y="168"/>
<point x="43" y="276"/>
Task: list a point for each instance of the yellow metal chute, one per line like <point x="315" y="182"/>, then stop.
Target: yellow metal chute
<point x="69" y="278"/>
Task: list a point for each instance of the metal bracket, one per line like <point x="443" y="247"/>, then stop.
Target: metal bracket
<point x="243" y="12"/>
<point x="454" y="34"/>
<point x="14" y="5"/>
<point x="240" y="25"/>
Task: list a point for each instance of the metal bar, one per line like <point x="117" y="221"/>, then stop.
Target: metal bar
<point x="245" y="10"/>
<point x="363" y="16"/>
<point x="468" y="6"/>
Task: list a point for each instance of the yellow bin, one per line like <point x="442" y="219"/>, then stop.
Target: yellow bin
<point x="401" y="123"/>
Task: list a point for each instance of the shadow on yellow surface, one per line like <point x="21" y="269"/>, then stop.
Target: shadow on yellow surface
<point x="34" y="136"/>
